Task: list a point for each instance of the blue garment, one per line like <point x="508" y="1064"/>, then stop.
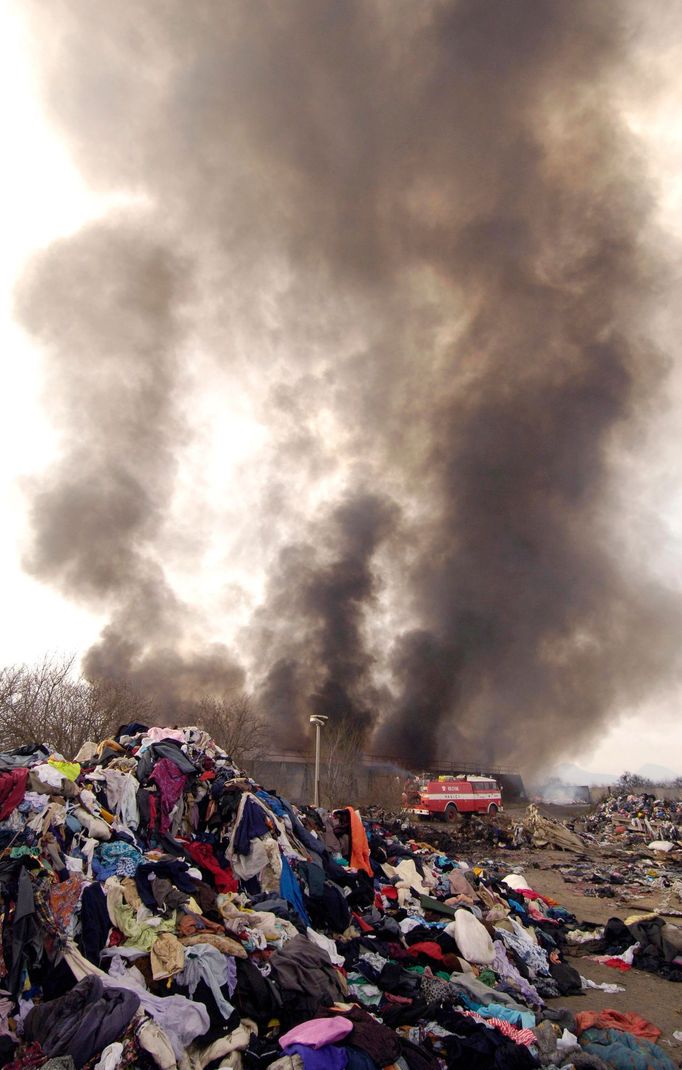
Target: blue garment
<point x="115" y="859"/>
<point x="313" y="843"/>
<point x="290" y="889"/>
<point x="522" y="1019"/>
<point x="273" y="802"/>
<point x="329" y="1057"/>
<point x="359" y="1059"/>
<point x="624" y="1051"/>
<point x="251" y="825"/>
<point x="560" y="913"/>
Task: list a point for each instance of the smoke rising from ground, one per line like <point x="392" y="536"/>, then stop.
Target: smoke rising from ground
<point x="418" y="238"/>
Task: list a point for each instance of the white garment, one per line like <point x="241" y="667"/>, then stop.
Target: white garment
<point x="47" y="774"/>
<point x="586" y="983"/>
<point x="122" y="796"/>
<point x="153" y="1039"/>
<point x="516" y="881"/>
<point x="328" y="945"/>
<point x="94" y="826"/>
<point x="237" y="1040"/>
<point x="472" y="938"/>
<point x="407" y="924"/>
<point x="110" y="1057"/>
<point x="87" y="752"/>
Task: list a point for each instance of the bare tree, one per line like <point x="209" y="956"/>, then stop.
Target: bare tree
<point x="632" y="782"/>
<point x="342" y="748"/>
<point x="235" y="725"/>
<point x="49" y="703"/>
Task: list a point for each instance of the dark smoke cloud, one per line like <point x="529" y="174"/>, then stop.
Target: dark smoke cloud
<point x="313" y="623"/>
<point x="422" y="245"/>
<point x="107" y="305"/>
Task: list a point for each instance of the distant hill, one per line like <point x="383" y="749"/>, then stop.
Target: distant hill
<point x="571" y="773"/>
<point x="658" y="773"/>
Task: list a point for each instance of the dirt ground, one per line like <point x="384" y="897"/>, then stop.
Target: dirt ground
<point x="656" y="999"/>
<point x="649" y="995"/>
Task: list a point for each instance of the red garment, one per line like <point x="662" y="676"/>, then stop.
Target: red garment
<point x="519" y="1036"/>
<point x="12" y="790"/>
<point x="426" y="947"/>
<point x="528" y="893"/>
<point x="616" y="964"/>
<point x="153" y="811"/>
<point x="27" y="1057"/>
<point x="389" y="891"/>
<point x="363" y="925"/>
<point x="627" y="1021"/>
<point x="202" y="854"/>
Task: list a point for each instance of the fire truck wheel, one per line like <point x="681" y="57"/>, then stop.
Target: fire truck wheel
<point x="451" y="814"/>
<point x="492" y="809"/>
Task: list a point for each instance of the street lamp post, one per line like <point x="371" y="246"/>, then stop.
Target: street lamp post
<point x="319" y="721"/>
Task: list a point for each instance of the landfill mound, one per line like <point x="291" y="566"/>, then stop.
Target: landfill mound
<point x="161" y="909"/>
<point x="637" y="820"/>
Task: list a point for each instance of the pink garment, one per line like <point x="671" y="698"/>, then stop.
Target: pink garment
<point x="170" y="782"/>
<point x="317" y="1032"/>
<point x="156" y="734"/>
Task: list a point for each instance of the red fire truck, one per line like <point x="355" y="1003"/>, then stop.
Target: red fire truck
<point x="450" y="796"/>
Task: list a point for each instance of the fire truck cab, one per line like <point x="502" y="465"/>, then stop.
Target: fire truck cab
<point x="450" y="796"/>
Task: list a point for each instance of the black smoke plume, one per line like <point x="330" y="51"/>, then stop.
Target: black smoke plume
<point x="421" y="242"/>
<point x="313" y="624"/>
<point x="107" y="305"/>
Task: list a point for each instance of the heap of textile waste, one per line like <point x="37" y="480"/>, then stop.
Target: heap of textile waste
<point x="161" y="909"/>
<point x="639" y="820"/>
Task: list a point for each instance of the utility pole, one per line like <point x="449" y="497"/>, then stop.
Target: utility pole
<point x="319" y="721"/>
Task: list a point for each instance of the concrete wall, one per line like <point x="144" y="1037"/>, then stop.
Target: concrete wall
<point x="357" y="786"/>
<point x="661" y="791"/>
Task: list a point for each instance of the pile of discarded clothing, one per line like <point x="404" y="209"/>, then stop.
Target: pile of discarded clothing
<point x="161" y="909"/>
<point x="637" y="820"/>
<point x="645" y="941"/>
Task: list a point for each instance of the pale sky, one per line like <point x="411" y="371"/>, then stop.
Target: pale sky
<point x="44" y="197"/>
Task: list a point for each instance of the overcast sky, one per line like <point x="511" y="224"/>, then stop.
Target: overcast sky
<point x="45" y="197"/>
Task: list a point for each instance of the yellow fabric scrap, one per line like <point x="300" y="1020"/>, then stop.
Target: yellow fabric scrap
<point x="71" y="770"/>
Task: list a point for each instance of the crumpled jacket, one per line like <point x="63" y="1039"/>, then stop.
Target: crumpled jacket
<point x="82" y="1022"/>
<point x="181" y="1019"/>
<point x="27" y="938"/>
<point x="304" y="969"/>
<point x="167" y="748"/>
